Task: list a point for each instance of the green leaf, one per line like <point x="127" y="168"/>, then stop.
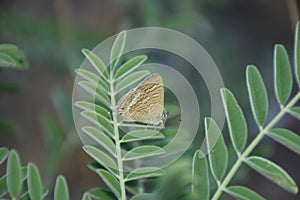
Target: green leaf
<point x="145" y="196"/>
<point x="94" y="166"/>
<point x="143" y="152"/>
<point x="95" y="92"/>
<point x="61" y="191"/>
<point x="98" y="120"/>
<point x="14" y="54"/>
<point x="218" y="155"/>
<point x="25" y="196"/>
<point x="295" y="112"/>
<point x="130" y="66"/>
<point x="93" y="78"/>
<point x="258" y="95"/>
<point x="6" y="61"/>
<point x="3" y="154"/>
<point x="273" y="172"/>
<point x="100" y="157"/>
<point x="297" y="52"/>
<point x="235" y="119"/>
<point x="131" y="79"/>
<point x="86" y="197"/>
<point x="14" y="174"/>
<point x="117" y="49"/>
<point x="287" y="138"/>
<point x="97" y="63"/>
<point x="35" y="187"/>
<point x="93" y="107"/>
<point x="200" y="176"/>
<point x="8" y="47"/>
<point x="138" y="135"/>
<point x="110" y="181"/>
<point x="243" y="193"/>
<point x="145" y="172"/>
<point x="283" y="80"/>
<point x="100" y="138"/>
<point x="3" y="186"/>
<point x="101" y="194"/>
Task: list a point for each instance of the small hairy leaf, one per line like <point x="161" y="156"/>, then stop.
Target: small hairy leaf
<point x="110" y="181"/>
<point x="138" y="135"/>
<point x="283" y="80"/>
<point x="142" y="152"/>
<point x="145" y="196"/>
<point x="101" y="138"/>
<point x="97" y="63"/>
<point x="117" y="49"/>
<point x="86" y="196"/>
<point x="8" y="47"/>
<point x="25" y="196"/>
<point x="3" y="186"/>
<point x="93" y="78"/>
<point x="101" y="194"/>
<point x="131" y="79"/>
<point x="287" y="138"/>
<point x="257" y="94"/>
<point x="3" y="154"/>
<point x="13" y="174"/>
<point x="145" y="172"/>
<point x="98" y="120"/>
<point x="236" y="120"/>
<point x="129" y="66"/>
<point x="6" y="60"/>
<point x="243" y="193"/>
<point x="61" y="191"/>
<point x="95" y="92"/>
<point x="93" y="107"/>
<point x="100" y="157"/>
<point x="200" y="176"/>
<point x="297" y="52"/>
<point x="295" y="112"/>
<point x="11" y="56"/>
<point x="273" y="172"/>
<point x="218" y="155"/>
<point x="35" y="188"/>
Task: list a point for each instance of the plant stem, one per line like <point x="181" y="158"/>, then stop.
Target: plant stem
<point x="117" y="139"/>
<point x="251" y="147"/>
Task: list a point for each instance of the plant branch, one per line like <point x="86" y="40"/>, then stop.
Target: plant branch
<point x="251" y="147"/>
<point x="117" y="140"/>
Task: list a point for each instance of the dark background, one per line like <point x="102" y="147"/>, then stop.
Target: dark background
<point x="37" y="107"/>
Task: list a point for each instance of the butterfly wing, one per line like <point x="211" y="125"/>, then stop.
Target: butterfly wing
<point x="146" y="102"/>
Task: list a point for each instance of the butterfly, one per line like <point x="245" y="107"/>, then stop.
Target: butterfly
<point x="145" y="103"/>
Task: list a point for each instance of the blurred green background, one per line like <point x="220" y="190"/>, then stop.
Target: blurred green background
<point x="35" y="103"/>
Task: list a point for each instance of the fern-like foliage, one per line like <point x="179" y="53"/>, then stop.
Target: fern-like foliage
<point x="119" y="146"/>
<point x="12" y="56"/>
<point x="218" y="157"/>
<point x="24" y="183"/>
